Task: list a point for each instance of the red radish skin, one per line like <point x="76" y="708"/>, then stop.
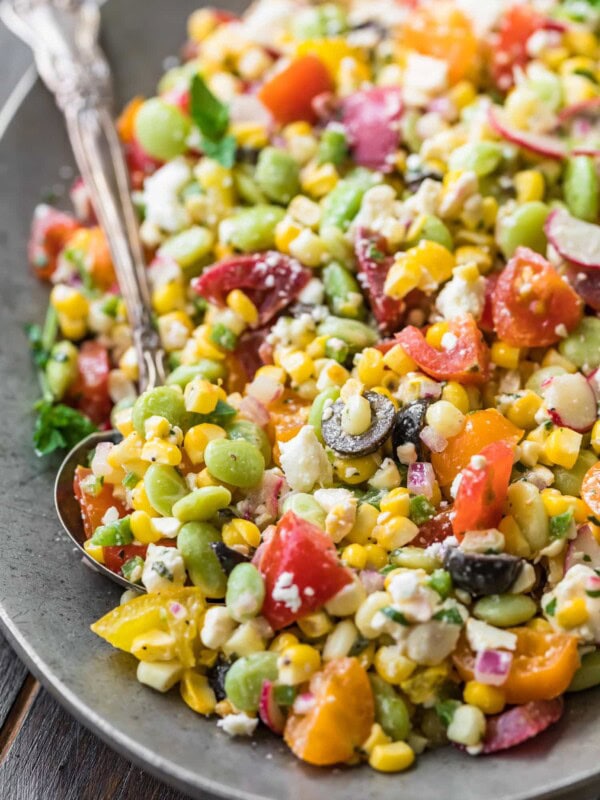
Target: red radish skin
<point x="520" y="724"/>
<point x="575" y="240"/>
<point x="545" y="145"/>
<point x="268" y="710"/>
<point x="584" y="549"/>
<point x="570" y="401"/>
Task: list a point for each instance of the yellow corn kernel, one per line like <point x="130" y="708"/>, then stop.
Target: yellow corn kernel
<point x="204" y="478"/>
<point x="154" y="645"/>
<point x="514" y="541"/>
<point x="394" y="532"/>
<point x="285" y="233"/>
<point x="128" y="364"/>
<point x="522" y="411"/>
<point x="539" y="624"/>
<point x="298" y="365"/>
<point x="370" y="367"/>
<point x="174" y="328"/>
<point x="197" y="693"/>
<point x="160" y="452"/>
<point x="73" y="328"/>
<point x="139" y="500"/>
<point x="333" y="374"/>
<point x="376" y="556"/>
<point x="315" y="625"/>
<point x="392" y="666"/>
<point x="298" y="663"/>
<point x="581" y="41"/>
<point x="126" y="451"/>
<point x="200" y="23"/>
<point x="456" y="394"/>
<point x="489" y="699"/>
<point x="202" y="396"/>
<point x="573" y="614"/>
<point x="445" y="418"/>
<point x="554" y="56"/>
<point x="250" y="134"/>
<point x="579" y="88"/>
<point x="399" y="361"/>
<point x="503" y="355"/>
<point x="308" y="248"/>
<point x="471" y="254"/>
<point x="282" y="642"/>
<point x="356" y="470"/>
<point x="384" y="390"/>
<point x="435" y="334"/>
<point x="243" y="529"/>
<point x="396" y="502"/>
<point x="157" y="427"/>
<point x="530" y="185"/>
<point x="94" y="550"/>
<point x="318" y="180"/>
<point x="404" y="275"/>
<point x="141" y="527"/>
<point x="207" y="658"/>
<point x="295" y="129"/>
<point x="462" y="94"/>
<point x="436" y="259"/>
<point x="489" y="213"/>
<point x="123" y="419"/>
<point x="366" y="519"/>
<point x="377" y="736"/>
<point x="69" y="301"/>
<point x="562" y="447"/>
<point x="553" y="358"/>
<point x="232" y="537"/>
<point x="168" y="297"/>
<point x="595" y="440"/>
<point x="394" y="757"/>
<point x="223" y="250"/>
<point x="241" y="304"/>
<point x="355" y="556"/>
<point x="316" y="348"/>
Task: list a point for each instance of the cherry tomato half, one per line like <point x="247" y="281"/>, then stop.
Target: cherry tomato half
<point x="509" y="45"/>
<point x="94" y="507"/>
<point x="90" y="390"/>
<point x="50" y="230"/>
<point x="374" y="264"/>
<point x="289" y="94"/>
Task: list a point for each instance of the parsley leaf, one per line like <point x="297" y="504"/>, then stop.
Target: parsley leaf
<point x="445" y="710"/>
<point x="222" y="151"/>
<point x="212" y="118"/>
<point x="59" y="427"/>
<point x="449" y="615"/>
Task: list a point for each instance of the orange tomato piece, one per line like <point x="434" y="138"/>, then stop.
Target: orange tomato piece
<point x="126" y="120"/>
<point x="442" y="31"/>
<point x="542" y="668"/>
<point x="92" y="245"/>
<point x="590" y="489"/>
<point x="341" y="718"/>
<point x="481" y="428"/>
<point x="288" y="415"/>
<point x="289" y="93"/>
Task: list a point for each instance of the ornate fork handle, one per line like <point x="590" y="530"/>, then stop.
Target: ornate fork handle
<point x="63" y="35"/>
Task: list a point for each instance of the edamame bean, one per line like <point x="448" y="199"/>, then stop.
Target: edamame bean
<point x="568" y="481"/>
<point x="582" y="346"/>
<point x="338" y="246"/>
<point x="390" y="709"/>
<point x="246" y="186"/>
<point x="161" y="129"/>
<point x="177" y="77"/>
<point x="588" y="674"/>
<point x="277" y="174"/>
<point x="164" y="401"/>
<point x="342" y="204"/>
<point x="482" y="158"/>
<point x="414" y="558"/>
<point x="205" y="368"/>
<point x="315" y="414"/>
<point x="254" y="228"/>
<point x="343" y="293"/>
<point x="201" y="562"/>
<point x="536" y="380"/>
<point x="202" y="504"/>
<point x="333" y="147"/>
<point x="505" y="610"/>
<point x="236" y="462"/>
<point x="319" y="21"/>
<point x="245" y="677"/>
<point x="253" y="433"/>
<point x="581" y="188"/>
<point x="245" y="592"/>
<point x="524" y="227"/>
<point x="164" y="487"/>
<point x="527" y="507"/>
<point x="433" y="230"/>
<point x="356" y="334"/>
<point x="61" y="369"/>
<point x="189" y="247"/>
<point x="305" y="506"/>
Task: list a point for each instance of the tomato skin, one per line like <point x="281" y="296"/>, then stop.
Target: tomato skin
<point x="93" y="508"/>
<point x="387" y="311"/>
<point x="509" y="48"/>
<point x="531" y="300"/>
<point x="250" y="273"/>
<point x="482" y="492"/>
<point x="543" y="665"/>
<point x="467" y="362"/>
<point x="116" y="555"/>
<point x="50" y="230"/>
<point x="90" y="390"/>
<point x="434" y="530"/>
<point x="301" y="549"/>
<point x="289" y="94"/>
<point x="486" y="323"/>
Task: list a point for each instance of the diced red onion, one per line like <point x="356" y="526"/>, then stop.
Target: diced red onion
<point x="492" y="666"/>
<point x="265" y="389"/>
<point x="254" y="410"/>
<point x="430" y="389"/>
<point x="432" y="439"/>
<point x="421" y="478"/>
<point x="268" y="710"/>
<point x="372" y="580"/>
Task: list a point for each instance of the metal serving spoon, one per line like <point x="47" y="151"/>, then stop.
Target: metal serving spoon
<point x="63" y="35"/>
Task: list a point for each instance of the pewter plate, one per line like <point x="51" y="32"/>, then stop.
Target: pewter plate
<point x="48" y="597"/>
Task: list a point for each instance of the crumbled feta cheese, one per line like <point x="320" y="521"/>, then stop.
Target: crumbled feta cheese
<point x="483" y="15"/>
<point x="340" y="505"/>
<point x="110" y="515"/>
<point x="407" y="453"/>
<point x="313" y="293"/>
<point x="304" y="461"/>
<point x="460" y="297"/>
<point x="217" y="627"/>
<point x="478" y="462"/>
<point x="580" y="583"/>
<point x="238" y="724"/>
<point x="449" y="341"/>
<point x="163" y="208"/>
<point x="285" y="591"/>
<point x="412" y="596"/>
<point x="167" y="526"/>
<point x="424" y="77"/>
<point x="482" y="636"/>
<point x="163" y="569"/>
<point x="120" y="387"/>
<point x="379" y="212"/>
<point x="490" y="540"/>
<point x="430" y="643"/>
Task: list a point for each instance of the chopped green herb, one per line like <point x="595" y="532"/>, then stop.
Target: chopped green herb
<point x="359" y="645"/>
<point x="561" y="525"/>
<point x="222" y="151"/>
<point x="224" y="337"/>
<point x="161" y="569"/>
<point x="212" y="118"/>
<point x="116" y="533"/>
<point x="132" y="569"/>
<point x="441" y="582"/>
<point x="550" y="609"/>
<point x="130" y="480"/>
<point x="59" y="427"/>
<point x="420" y="509"/>
<point x="450" y="615"/>
<point x="285" y="695"/>
<point x="223" y="413"/>
<point x="110" y="306"/>
<point x="445" y="710"/>
<point x="395" y="615"/>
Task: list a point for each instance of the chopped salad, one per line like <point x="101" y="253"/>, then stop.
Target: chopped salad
<point x="365" y="507"/>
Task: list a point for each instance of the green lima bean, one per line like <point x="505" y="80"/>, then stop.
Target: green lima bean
<point x="201" y="562"/>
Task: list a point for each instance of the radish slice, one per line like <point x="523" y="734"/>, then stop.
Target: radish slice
<point x="545" y="145"/>
<point x="579" y="109"/>
<point x="586" y="282"/>
<point x="575" y="240"/>
<point x="268" y="710"/>
<point x="521" y="723"/>
<point x="584" y="549"/>
<point x="570" y="401"/>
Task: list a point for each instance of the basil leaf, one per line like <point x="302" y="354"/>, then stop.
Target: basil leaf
<point x="208" y="112"/>
<point x="222" y="150"/>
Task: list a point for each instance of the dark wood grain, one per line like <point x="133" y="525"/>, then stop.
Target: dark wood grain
<point x="12" y="677"/>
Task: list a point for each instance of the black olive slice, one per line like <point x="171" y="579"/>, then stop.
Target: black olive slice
<point x="408" y="425"/>
<point x="382" y="420"/>
<point x="228" y="558"/>
<point x="482" y="574"/>
<point x="216" y="677"/>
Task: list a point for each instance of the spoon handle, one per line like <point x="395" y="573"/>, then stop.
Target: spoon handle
<point x="63" y="35"/>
